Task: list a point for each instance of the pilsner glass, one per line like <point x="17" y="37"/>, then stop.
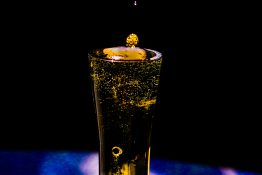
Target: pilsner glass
<point x="125" y="94"/>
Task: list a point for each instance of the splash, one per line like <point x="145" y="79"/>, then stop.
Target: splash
<point x="132" y="40"/>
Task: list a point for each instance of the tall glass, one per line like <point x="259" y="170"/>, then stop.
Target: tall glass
<point x="125" y="94"/>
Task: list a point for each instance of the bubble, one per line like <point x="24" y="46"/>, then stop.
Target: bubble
<point x="116" y="151"/>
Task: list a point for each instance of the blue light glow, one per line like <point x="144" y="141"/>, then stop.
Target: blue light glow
<point x="86" y="163"/>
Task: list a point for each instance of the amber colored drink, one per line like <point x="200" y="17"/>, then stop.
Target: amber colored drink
<point x="125" y="94"/>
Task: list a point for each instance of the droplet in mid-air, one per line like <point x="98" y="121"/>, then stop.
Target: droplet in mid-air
<point x="132" y="40"/>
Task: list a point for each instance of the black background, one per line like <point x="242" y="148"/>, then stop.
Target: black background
<point x="208" y="110"/>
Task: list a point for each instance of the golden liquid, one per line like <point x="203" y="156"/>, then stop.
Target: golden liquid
<point x="131" y="52"/>
<point x="125" y="94"/>
<point x="132" y="40"/>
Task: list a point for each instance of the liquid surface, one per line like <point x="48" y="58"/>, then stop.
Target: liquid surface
<point x="131" y="52"/>
<point x="125" y="53"/>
